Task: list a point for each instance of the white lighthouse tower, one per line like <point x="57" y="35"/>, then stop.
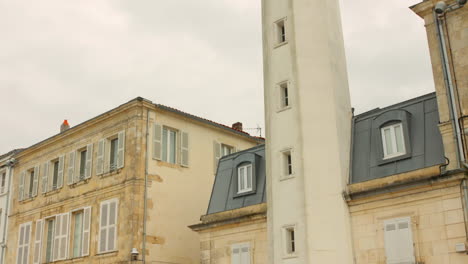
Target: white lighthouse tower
<point x="308" y="126"/>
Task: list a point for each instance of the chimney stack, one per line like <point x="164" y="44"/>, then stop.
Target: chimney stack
<point x="237" y="126"/>
<point x="65" y="126"/>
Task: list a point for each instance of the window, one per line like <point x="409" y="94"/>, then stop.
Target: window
<point x="284" y="95"/>
<point x="55" y="174"/>
<point x="3" y="181"/>
<point x="81" y="222"/>
<point x="60" y="243"/>
<point x="287" y="163"/>
<point x="226" y="150"/>
<point x="113" y="154"/>
<point x="289" y="238"/>
<point x="108" y="226"/>
<point x="38" y="241"/>
<point x="398" y="241"/>
<point x="244" y="181"/>
<point x="28" y="184"/>
<point x="50" y="225"/>
<point x="393" y="140"/>
<point x="24" y="235"/>
<point x="166" y="147"/>
<point x="280" y="27"/>
<point x="52" y="178"/>
<point x="169" y="145"/>
<point x="82" y="156"/>
<point x="240" y="253"/>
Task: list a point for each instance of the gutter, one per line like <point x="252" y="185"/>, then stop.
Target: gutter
<point x="439" y="18"/>
<point x="145" y="195"/>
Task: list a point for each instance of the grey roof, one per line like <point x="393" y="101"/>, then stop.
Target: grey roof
<point x="420" y="118"/>
<point x="11" y="153"/>
<point x="224" y="196"/>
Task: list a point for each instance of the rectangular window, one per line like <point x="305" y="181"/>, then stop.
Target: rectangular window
<point x="244" y="183"/>
<point x="398" y="241"/>
<point x="393" y="141"/>
<point x="55" y="174"/>
<point x="50" y="225"/>
<point x="83" y="154"/>
<point x="284" y="95"/>
<point x="226" y="150"/>
<point x="240" y="253"/>
<point x="287" y="163"/>
<point x="24" y="236"/>
<point x="2" y="187"/>
<point x="108" y="226"/>
<point x="77" y="233"/>
<point x="31" y="185"/>
<point x="169" y="145"/>
<point x="113" y="154"/>
<point x="280" y="28"/>
<point x="289" y="240"/>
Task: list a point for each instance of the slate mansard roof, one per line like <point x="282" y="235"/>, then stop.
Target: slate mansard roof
<point x="224" y="196"/>
<point x="419" y="117"/>
<point x="423" y="141"/>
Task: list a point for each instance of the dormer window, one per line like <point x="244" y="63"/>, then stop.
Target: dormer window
<point x="393" y="140"/>
<point x="244" y="180"/>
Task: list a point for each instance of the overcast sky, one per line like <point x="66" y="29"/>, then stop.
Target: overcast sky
<point x="77" y="59"/>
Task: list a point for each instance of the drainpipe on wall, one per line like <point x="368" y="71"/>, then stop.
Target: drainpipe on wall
<point x="440" y="12"/>
<point x="146" y="190"/>
<point x="10" y="163"/>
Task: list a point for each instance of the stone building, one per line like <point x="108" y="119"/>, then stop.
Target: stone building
<point x="405" y="183"/>
<point x="128" y="180"/>
<point x="6" y="171"/>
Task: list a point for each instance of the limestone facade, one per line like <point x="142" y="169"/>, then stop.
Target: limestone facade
<point x="97" y="216"/>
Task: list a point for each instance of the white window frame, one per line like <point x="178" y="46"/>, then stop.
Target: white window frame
<point x="238" y="255"/>
<point x="107" y="227"/>
<point x="226" y="150"/>
<point x="287" y="165"/>
<point x="244" y="177"/>
<point x="72" y="234"/>
<point x="393" y="140"/>
<point x="388" y="240"/>
<point x="288" y="251"/>
<point x="168" y="144"/>
<point x="281" y="38"/>
<point x="284" y="100"/>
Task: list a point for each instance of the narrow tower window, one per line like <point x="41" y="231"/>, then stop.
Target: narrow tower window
<point x="280" y="31"/>
<point x="289" y="239"/>
<point x="284" y="95"/>
<point x="287" y="163"/>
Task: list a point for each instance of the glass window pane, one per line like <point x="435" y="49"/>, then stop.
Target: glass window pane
<point x="164" y="145"/>
<point x="77" y="234"/>
<point x="399" y="139"/>
<point x="388" y="141"/>
<point x="172" y="147"/>
<point x="249" y="177"/>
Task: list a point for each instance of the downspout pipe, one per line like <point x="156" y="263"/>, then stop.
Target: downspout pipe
<point x="10" y="163"/>
<point x="145" y="195"/>
<point x="449" y="83"/>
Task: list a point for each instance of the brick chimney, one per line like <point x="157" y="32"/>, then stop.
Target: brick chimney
<point x="237" y="126"/>
<point x="65" y="126"/>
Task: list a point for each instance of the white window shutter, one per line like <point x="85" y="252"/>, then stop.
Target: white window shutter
<point x="100" y="157"/>
<point x="121" y="150"/>
<point x="64" y="236"/>
<point x="45" y="177"/>
<point x="27" y="182"/>
<point x="71" y="168"/>
<point x="27" y="238"/>
<point x="38" y="241"/>
<point x="157" y="142"/>
<point x="103" y="220"/>
<point x="236" y="255"/>
<point x="35" y="181"/>
<point x="398" y="241"/>
<point x="112" y="225"/>
<point x="21" y="186"/>
<point x="184" y="149"/>
<point x="217" y="154"/>
<point x="245" y="254"/>
<point x="19" y="253"/>
<point x="60" y="171"/>
<point x="56" y="244"/>
<point x="86" y="231"/>
<point x="89" y="161"/>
